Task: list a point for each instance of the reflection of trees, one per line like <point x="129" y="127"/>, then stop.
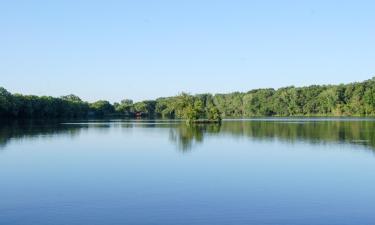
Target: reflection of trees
<point x="354" y="132"/>
<point x="18" y="130"/>
<point x="186" y="136"/>
<point x="359" y="132"/>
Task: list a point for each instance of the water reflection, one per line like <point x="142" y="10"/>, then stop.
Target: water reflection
<point x="357" y="132"/>
<point x="313" y="132"/>
<point x="187" y="136"/>
<point x="19" y="130"/>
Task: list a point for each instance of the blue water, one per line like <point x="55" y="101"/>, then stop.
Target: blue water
<point x="272" y="172"/>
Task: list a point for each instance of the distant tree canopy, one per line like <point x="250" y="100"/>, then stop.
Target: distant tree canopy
<point x="354" y="99"/>
<point x="101" y="108"/>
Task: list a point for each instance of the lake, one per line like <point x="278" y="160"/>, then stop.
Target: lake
<point x="258" y="171"/>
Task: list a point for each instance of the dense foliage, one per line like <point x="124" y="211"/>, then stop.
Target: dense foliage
<point x="355" y="99"/>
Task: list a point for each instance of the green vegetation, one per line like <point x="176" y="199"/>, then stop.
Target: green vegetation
<point x="355" y="99"/>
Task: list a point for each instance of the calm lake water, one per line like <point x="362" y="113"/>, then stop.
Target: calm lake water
<point x="272" y="171"/>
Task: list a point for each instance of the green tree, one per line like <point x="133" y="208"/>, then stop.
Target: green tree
<point x="5" y="102"/>
<point x="101" y="108"/>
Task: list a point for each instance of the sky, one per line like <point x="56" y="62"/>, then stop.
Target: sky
<point x="141" y="50"/>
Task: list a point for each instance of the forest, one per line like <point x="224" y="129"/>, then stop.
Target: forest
<point x="354" y="99"/>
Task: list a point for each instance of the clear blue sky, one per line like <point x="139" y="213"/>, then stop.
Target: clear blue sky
<point x="146" y="49"/>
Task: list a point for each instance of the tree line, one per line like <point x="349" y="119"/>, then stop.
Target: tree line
<point x="354" y="99"/>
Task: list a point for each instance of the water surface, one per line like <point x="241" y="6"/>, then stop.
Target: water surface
<point x="267" y="171"/>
